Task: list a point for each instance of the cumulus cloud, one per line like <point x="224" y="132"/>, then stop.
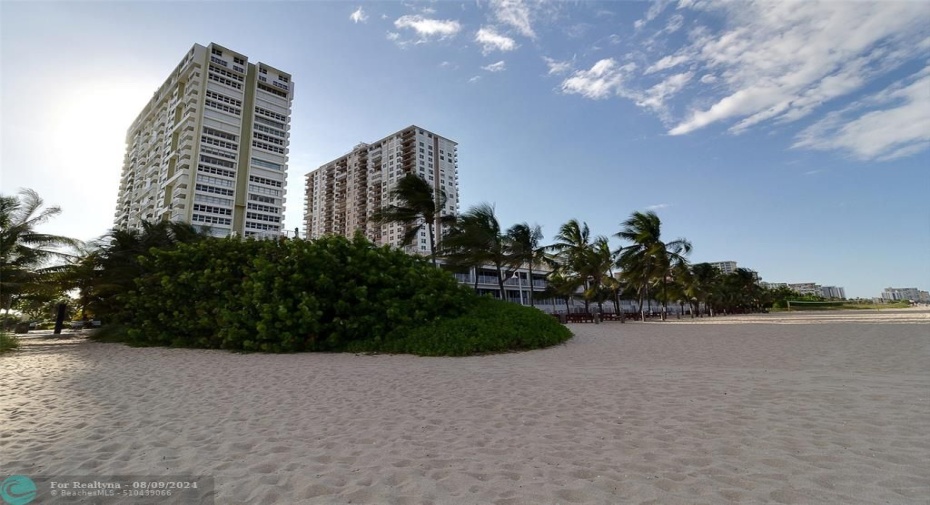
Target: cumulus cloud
<point x="474" y="79"/>
<point x="515" y="13"/>
<point x="491" y="41"/>
<point x="359" y="16"/>
<point x="428" y="28"/>
<point x="892" y="123"/>
<point x="500" y="66"/>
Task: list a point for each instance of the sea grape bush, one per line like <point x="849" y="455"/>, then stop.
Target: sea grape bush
<point x="489" y="325"/>
<point x="286" y="295"/>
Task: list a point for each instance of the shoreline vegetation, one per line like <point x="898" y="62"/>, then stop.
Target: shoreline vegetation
<point x="329" y="295"/>
<point x="174" y="284"/>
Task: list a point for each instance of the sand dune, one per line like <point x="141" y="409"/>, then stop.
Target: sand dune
<point x="816" y="408"/>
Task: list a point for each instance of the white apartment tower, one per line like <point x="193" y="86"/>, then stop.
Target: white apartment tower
<point x="725" y="267"/>
<point x="210" y="148"/>
<point x="342" y="195"/>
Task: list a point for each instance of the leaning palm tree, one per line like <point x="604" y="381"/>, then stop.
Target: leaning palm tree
<point x="525" y="249"/>
<point x="476" y="240"/>
<point x="649" y="258"/>
<point x="24" y="252"/>
<point x="595" y="268"/>
<point x="572" y="246"/>
<point x="417" y="207"/>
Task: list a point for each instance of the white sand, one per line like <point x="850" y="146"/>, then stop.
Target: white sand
<point x="666" y="413"/>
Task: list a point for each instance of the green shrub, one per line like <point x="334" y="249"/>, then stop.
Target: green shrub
<point x="489" y="325"/>
<point x="285" y="295"/>
<point x="8" y="342"/>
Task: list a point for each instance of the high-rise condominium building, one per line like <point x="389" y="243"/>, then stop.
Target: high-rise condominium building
<point x="210" y="148"/>
<point x="343" y="194"/>
<point x="726" y="267"/>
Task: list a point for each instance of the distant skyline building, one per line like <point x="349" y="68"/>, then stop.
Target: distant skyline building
<point x="726" y="267"/>
<point x="211" y="147"/>
<point x="891" y="294"/>
<point x="342" y="195"/>
<point x="833" y="292"/>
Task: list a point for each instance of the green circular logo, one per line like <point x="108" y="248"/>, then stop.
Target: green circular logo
<point x="18" y="490"/>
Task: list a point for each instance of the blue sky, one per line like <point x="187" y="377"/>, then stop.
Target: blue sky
<point x="793" y="138"/>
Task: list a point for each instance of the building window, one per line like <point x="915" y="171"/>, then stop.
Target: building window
<point x="217" y="52"/>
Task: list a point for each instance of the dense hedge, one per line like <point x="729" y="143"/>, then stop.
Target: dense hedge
<point x="284" y="296"/>
<point x="489" y="325"/>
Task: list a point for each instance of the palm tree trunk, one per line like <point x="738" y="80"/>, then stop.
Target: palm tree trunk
<point x="500" y="281"/>
<point x="432" y="243"/>
<point x="530" y="282"/>
<point x="664" y="297"/>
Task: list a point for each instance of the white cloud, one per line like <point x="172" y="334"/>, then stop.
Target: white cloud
<point x="474" y="79"/>
<point x="667" y="63"/>
<point x="674" y="23"/>
<point x="500" y="66"/>
<point x="708" y="78"/>
<point x="557" y="67"/>
<point x="656" y="97"/>
<point x="359" y="16"/>
<point x="890" y="124"/>
<point x="515" y="13"/>
<point x="659" y="206"/>
<point x="605" y="78"/>
<point x="491" y="41"/>
<point x="781" y="61"/>
<point x="428" y="28"/>
<point x="655" y="8"/>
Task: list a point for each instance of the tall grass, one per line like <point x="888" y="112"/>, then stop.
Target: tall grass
<point x="8" y="342"/>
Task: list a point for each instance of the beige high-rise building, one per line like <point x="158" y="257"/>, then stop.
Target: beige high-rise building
<point x="210" y="148"/>
<point x="342" y="195"/>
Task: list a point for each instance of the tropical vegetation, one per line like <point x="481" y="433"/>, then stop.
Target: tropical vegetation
<point x="174" y="284"/>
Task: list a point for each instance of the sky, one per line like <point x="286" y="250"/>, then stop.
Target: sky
<point x="792" y="138"/>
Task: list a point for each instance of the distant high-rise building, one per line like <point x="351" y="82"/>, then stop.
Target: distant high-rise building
<point x="210" y="148"/>
<point x="833" y="292"/>
<point x="342" y="195"/>
<point x="726" y="267"/>
<point x="912" y="294"/>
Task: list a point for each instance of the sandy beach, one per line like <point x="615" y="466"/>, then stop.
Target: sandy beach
<point x="802" y="408"/>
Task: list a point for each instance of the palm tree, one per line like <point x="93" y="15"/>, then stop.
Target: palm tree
<point x="115" y="263"/>
<point x="561" y="286"/>
<point x="417" y="206"/>
<point x="649" y="258"/>
<point x="705" y="279"/>
<point x="476" y="240"/>
<point x="24" y="252"/>
<point x="596" y="267"/>
<point x="525" y="249"/>
<point x="572" y="246"/>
